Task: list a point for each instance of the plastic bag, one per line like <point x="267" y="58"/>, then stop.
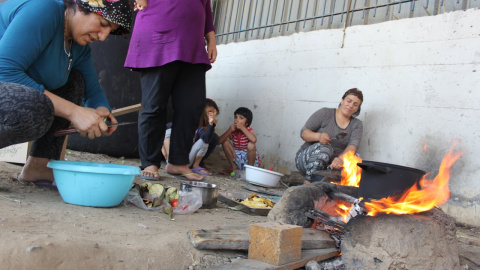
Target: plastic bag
<point x="133" y="197"/>
<point x="188" y="202"/>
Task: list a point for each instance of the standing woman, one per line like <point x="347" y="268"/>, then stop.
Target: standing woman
<point x="47" y="72"/>
<point x="168" y="49"/>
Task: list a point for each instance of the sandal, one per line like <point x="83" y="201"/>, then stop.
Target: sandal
<point x="201" y="171"/>
<point x="155" y="177"/>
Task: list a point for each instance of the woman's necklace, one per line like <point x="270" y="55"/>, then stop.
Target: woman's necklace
<point x="67" y="51"/>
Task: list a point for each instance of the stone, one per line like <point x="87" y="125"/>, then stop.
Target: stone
<point x="275" y="243"/>
<point x="298" y="200"/>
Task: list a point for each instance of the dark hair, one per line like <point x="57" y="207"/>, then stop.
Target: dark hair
<point x="355" y="92"/>
<point x="204" y="118"/>
<point x="212" y="103"/>
<point x="245" y="112"/>
<point x="71" y="4"/>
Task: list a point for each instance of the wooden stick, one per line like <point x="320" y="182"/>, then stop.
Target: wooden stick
<point x="128" y="109"/>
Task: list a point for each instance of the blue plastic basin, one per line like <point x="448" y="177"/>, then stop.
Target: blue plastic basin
<point x="91" y="183"/>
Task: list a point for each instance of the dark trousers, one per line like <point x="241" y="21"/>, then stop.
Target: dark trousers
<point x="26" y="114"/>
<point x="185" y="83"/>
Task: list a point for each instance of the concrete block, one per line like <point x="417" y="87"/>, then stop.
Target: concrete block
<point x="275" y="243"/>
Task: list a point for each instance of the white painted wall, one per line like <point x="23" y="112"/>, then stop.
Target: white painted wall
<point x="420" y="78"/>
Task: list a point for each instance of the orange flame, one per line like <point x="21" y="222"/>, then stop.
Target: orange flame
<point x="351" y="173"/>
<point x="433" y="192"/>
<point x="343" y="210"/>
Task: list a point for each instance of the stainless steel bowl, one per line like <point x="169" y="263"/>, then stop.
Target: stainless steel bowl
<point x="208" y="191"/>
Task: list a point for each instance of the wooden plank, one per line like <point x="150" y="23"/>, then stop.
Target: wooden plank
<point x="307" y="255"/>
<point x="128" y="109"/>
<point x="237" y="238"/>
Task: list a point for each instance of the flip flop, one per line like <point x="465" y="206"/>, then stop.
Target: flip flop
<point x="199" y="171"/>
<point x="152" y="178"/>
<point x="40" y="183"/>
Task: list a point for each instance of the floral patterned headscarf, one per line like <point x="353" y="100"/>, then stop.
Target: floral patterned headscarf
<point x="116" y="11"/>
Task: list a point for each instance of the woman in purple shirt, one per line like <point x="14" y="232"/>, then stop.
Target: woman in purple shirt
<point x="168" y="48"/>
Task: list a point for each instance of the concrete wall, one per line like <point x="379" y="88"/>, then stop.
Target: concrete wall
<point x="420" y="78"/>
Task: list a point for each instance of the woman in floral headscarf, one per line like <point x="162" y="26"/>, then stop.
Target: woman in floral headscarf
<point x="46" y="72"/>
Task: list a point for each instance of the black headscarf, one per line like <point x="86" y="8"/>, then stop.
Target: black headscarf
<point x="116" y="11"/>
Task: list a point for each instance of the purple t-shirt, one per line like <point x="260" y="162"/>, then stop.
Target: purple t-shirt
<point x="170" y="30"/>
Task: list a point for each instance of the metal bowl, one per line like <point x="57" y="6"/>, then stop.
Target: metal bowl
<point x="208" y="191"/>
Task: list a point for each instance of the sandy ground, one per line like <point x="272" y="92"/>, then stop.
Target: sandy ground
<point x="40" y="231"/>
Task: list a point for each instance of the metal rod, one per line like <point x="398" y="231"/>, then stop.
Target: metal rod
<point x="268" y="15"/>
<point x="323" y="14"/>
<point x="254" y="17"/>
<point x="283" y="9"/>
<point x="341" y="16"/>
<point x="261" y="15"/>
<point x="236" y="16"/>
<point x="333" y="9"/>
<point x="248" y="17"/>
<point x="351" y="17"/>
<point x="224" y="19"/>
<point x="314" y="13"/>
<point x="274" y="17"/>
<point x="230" y="20"/>
<point x="241" y="18"/>
<point x="305" y="16"/>
<point x="290" y="12"/>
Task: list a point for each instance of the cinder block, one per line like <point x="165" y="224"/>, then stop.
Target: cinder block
<point x="275" y="243"/>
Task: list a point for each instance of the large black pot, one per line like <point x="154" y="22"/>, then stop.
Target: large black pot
<point x="380" y="180"/>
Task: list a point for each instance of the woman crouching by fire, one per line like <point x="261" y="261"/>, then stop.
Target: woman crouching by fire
<point x="329" y="133"/>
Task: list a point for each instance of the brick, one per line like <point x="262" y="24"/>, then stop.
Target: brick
<point x="275" y="243"/>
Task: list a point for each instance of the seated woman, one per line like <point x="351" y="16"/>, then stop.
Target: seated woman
<point x="321" y="148"/>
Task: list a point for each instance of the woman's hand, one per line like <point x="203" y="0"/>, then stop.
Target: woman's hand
<point x="324" y="138"/>
<point x="337" y="163"/>
<point x="211" y="46"/>
<point x="105" y="113"/>
<point x="140" y="5"/>
<point x="89" y="122"/>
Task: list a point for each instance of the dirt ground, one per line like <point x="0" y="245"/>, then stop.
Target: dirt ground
<point x="40" y="231"/>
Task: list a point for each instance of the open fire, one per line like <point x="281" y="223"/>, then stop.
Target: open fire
<point x="432" y="192"/>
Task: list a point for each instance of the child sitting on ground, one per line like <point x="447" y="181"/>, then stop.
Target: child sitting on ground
<point x="205" y="139"/>
<point x="241" y="147"/>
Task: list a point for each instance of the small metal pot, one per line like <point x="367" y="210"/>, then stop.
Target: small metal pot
<point x="380" y="180"/>
<point x="208" y="191"/>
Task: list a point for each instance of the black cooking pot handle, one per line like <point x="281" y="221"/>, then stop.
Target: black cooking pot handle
<point x="380" y="168"/>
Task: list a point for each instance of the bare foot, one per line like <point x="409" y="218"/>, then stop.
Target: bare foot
<point x="306" y="182"/>
<point x="151" y="172"/>
<point x="183" y="170"/>
<point x="36" y="169"/>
